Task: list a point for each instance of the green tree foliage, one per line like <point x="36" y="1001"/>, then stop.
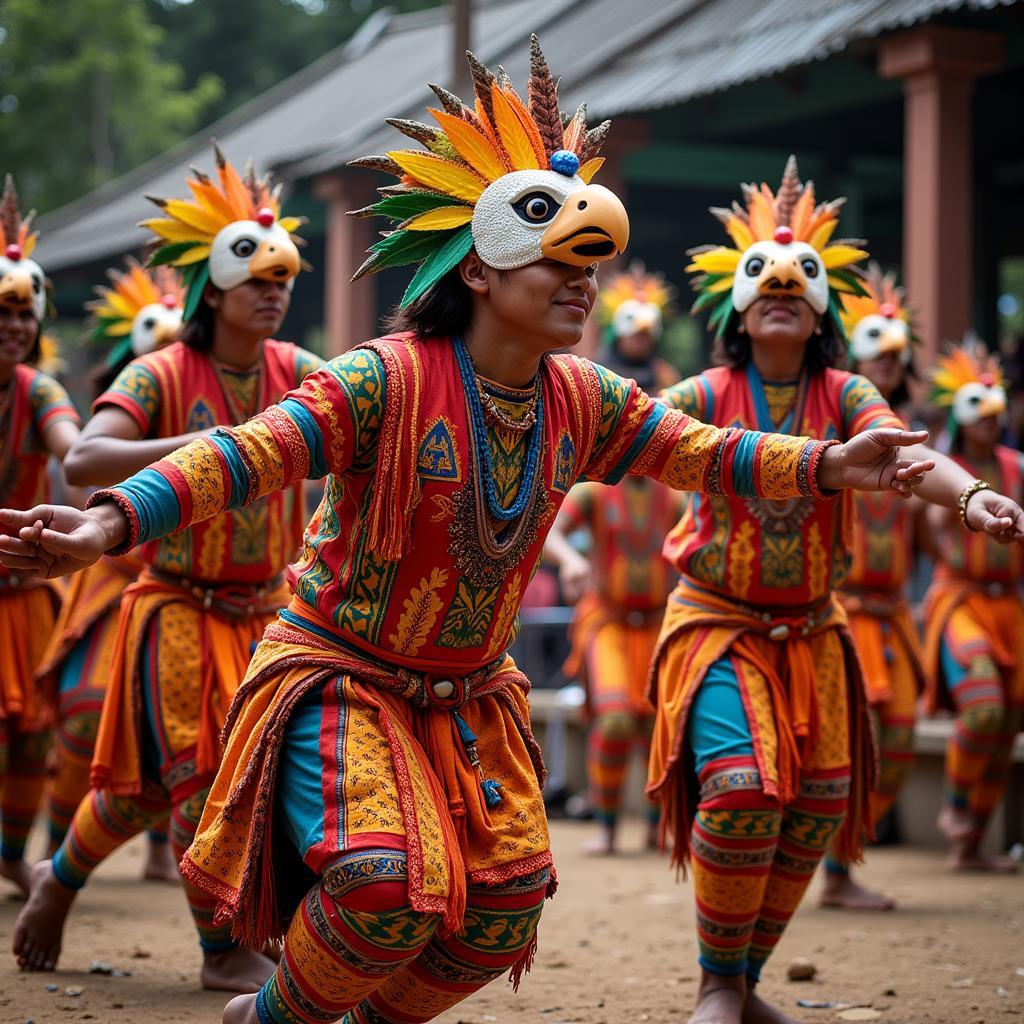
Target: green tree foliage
<point x="87" y="93"/>
<point x="256" y="44"/>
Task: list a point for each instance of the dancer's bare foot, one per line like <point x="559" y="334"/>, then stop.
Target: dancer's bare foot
<point x="601" y="845"/>
<point x="967" y="856"/>
<point x="241" y="1010"/>
<point x="757" y="1011"/>
<point x="719" y="1000"/>
<point x="235" y="970"/>
<point x="18" y="873"/>
<point x="39" y="930"/>
<point x="955" y="823"/>
<point x="841" y="891"/>
<point x="160" y="866"/>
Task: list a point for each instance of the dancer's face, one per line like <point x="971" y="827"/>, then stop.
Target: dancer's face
<point x="545" y="304"/>
<point x="18" y="330"/>
<point x="886" y="372"/>
<point x="255" y="307"/>
<point x="779" y="320"/>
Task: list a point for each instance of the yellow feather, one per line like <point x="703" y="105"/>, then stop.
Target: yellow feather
<point x="590" y="168"/>
<point x="194" y="255"/>
<point x="822" y="233"/>
<point x="290" y="224"/>
<point x="740" y="233"/>
<point x="471" y="145"/>
<point x="715" y="261"/>
<point x="171" y="230"/>
<point x="121" y="306"/>
<point x="30" y="244"/>
<point x="512" y="134"/>
<point x="725" y="285"/>
<point x="442" y="175"/>
<point x="120" y="329"/>
<point x="193" y="215"/>
<point x="441" y="219"/>
<point x="836" y="256"/>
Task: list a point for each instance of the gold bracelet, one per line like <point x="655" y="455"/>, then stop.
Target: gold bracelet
<point x="965" y="496"/>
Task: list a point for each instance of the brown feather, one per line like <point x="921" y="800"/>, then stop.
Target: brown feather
<point x="593" y="141"/>
<point x="378" y="163"/>
<point x="425" y="133"/>
<point x="10" y="215"/>
<point x="542" y="93"/>
<point x="483" y="80"/>
<point x="575" y="130"/>
<point x="452" y="104"/>
<point x="788" y="193"/>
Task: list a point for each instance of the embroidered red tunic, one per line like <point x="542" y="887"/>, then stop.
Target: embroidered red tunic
<point x="445" y="604"/>
<point x="36" y="401"/>
<point x="177" y="390"/>
<point x="770" y="553"/>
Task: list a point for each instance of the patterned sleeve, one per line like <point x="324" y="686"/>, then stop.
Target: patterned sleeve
<point x="578" y="506"/>
<point x="136" y="391"/>
<point x="50" y="403"/>
<point x="864" y="408"/>
<point x="327" y="425"/>
<point x="646" y="438"/>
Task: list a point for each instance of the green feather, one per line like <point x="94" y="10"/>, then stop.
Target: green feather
<point x="196" y="277"/>
<point x="436" y="266"/>
<point x="719" y="319"/>
<point x="411" y="204"/>
<point x="169" y="253"/>
<point x="402" y="247"/>
<point x="119" y="352"/>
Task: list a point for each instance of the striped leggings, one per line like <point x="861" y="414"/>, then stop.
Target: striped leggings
<point x="356" y="951"/>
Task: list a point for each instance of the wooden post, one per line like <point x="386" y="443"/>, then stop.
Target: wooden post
<point x="938" y="66"/>
<point x="349" y="309"/>
<point x="462" y="40"/>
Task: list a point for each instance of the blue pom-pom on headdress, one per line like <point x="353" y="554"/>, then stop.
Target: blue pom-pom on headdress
<point x="565" y="162"/>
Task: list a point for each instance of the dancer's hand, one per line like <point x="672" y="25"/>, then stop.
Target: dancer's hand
<point x="55" y="540"/>
<point x="993" y="513"/>
<point x="873" y="461"/>
<point x="574" y="575"/>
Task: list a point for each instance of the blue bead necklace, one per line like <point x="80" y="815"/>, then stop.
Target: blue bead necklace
<point x="481" y="448"/>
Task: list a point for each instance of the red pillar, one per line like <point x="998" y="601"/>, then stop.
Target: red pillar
<point x="349" y="309"/>
<point x="938" y="66"/>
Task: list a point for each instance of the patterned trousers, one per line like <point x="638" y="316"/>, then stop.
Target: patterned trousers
<point x="356" y="950"/>
<point x="752" y="858"/>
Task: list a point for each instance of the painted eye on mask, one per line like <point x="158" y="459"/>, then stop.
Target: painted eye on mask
<point x="874" y="332"/>
<point x="754" y="266"/>
<point x="37" y="284"/>
<point x="243" y="248"/>
<point x="810" y="267"/>
<point x="536" y="208"/>
<point x="149" y="323"/>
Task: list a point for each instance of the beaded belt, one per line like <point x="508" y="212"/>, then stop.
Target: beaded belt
<point x="233" y="601"/>
<point x="781" y="624"/>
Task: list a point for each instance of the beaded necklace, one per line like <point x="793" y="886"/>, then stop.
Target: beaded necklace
<point x="481" y="448"/>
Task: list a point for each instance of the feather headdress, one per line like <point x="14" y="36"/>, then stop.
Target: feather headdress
<point x="878" y="321"/>
<point x="231" y="230"/>
<point x="139" y="311"/>
<point x="497" y="174"/>
<point x="633" y="300"/>
<point x="968" y="380"/>
<point x="22" y="281"/>
<point x="782" y="245"/>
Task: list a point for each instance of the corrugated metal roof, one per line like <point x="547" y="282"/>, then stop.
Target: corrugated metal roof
<point x="620" y="57"/>
<point x="348" y="91"/>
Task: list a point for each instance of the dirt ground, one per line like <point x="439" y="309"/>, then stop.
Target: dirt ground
<point x="617" y="947"/>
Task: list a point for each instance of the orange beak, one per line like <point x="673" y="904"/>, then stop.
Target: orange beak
<point x="275" y="259"/>
<point x="16" y="287"/>
<point x="591" y="227"/>
<point x="782" y="278"/>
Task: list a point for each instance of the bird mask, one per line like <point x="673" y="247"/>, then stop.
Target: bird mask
<point x="782" y="247"/>
<point x="139" y="312"/>
<point x="505" y="177"/>
<point x="230" y="232"/>
<point x="23" y="284"/>
<point x="968" y="381"/>
<point x="878" y="322"/>
<point x="632" y="302"/>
